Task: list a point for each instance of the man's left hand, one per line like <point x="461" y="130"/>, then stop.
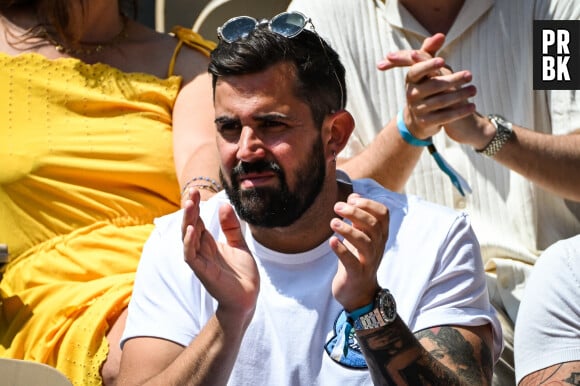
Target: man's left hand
<point x="360" y="254"/>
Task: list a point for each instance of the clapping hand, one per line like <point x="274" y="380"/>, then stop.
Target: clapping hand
<point x="361" y="252"/>
<point x="227" y="270"/>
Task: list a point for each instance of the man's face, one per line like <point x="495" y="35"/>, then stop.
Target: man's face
<point x="272" y="155"/>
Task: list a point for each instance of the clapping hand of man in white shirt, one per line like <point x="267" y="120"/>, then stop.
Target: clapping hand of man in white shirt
<point x="361" y="251"/>
<point x="228" y="271"/>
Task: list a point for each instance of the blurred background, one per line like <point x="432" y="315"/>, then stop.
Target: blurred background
<point x="204" y="16"/>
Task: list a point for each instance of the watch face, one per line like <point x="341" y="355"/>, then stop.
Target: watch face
<point x="387" y="306"/>
<point x="502" y="122"/>
<point x="499" y="118"/>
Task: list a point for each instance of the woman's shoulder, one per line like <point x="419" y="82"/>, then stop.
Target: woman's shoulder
<point x="154" y="51"/>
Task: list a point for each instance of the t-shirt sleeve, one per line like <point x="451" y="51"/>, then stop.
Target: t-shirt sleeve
<point x="457" y="289"/>
<point x="547" y="331"/>
<point x="165" y="296"/>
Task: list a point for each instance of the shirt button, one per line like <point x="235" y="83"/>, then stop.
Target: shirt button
<point x="460" y="203"/>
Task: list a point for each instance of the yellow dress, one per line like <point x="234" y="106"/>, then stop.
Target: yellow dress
<point x="86" y="164"/>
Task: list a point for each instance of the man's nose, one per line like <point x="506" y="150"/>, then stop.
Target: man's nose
<point x="250" y="145"/>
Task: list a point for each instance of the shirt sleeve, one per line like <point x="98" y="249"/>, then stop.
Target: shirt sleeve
<point x="457" y="289"/>
<point x="165" y="296"/>
<point x="547" y="331"/>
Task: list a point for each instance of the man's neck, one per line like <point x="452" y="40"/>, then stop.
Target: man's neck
<point x="436" y="15"/>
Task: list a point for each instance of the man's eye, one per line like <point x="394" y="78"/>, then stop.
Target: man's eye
<point x="229" y="128"/>
<point x="273" y="125"/>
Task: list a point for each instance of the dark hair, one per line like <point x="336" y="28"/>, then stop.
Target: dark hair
<point x="320" y="75"/>
<point x="54" y="16"/>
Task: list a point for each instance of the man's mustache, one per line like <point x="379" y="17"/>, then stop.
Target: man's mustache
<point x="256" y="167"/>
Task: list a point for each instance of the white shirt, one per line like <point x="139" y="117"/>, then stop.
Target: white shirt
<point x="548" y="328"/>
<point x="431" y="265"/>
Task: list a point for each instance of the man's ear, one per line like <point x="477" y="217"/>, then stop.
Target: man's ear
<point x="341" y="126"/>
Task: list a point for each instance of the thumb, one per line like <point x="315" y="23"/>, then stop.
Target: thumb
<point x="231" y="227"/>
<point x="433" y="43"/>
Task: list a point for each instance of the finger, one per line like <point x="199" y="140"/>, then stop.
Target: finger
<point x="433" y="44"/>
<point x="359" y="243"/>
<point x="355" y="236"/>
<point x="443" y="100"/>
<point x="436" y="85"/>
<point x="421" y="70"/>
<point x="204" y="261"/>
<point x="189" y="249"/>
<point x="190" y="209"/>
<point x="376" y="209"/>
<point x="369" y="216"/>
<point x="348" y="258"/>
<point x="403" y="58"/>
<point x="446" y="115"/>
<point x="207" y="247"/>
<point x="231" y="227"/>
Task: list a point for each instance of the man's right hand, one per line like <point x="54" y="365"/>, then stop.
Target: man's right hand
<point x="227" y="270"/>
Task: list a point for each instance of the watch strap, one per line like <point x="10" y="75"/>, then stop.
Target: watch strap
<point x="383" y="313"/>
<point x="503" y="132"/>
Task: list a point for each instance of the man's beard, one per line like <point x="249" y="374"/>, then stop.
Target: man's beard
<point x="272" y="207"/>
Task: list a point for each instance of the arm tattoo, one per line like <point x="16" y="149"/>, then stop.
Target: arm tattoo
<point x="559" y="374"/>
<point x="574" y="379"/>
<point x="452" y="345"/>
<point x="396" y="357"/>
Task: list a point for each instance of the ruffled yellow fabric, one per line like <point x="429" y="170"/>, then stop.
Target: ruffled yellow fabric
<point x="86" y="155"/>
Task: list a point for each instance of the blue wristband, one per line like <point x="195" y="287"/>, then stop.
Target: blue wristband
<point x="350" y="318"/>
<point x="406" y="134"/>
<point x="459" y="182"/>
<point x="355" y="314"/>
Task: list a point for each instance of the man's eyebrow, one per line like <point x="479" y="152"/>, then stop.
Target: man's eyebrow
<point x="271" y="117"/>
<point x="257" y="117"/>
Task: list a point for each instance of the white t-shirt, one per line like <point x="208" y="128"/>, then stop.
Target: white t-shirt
<point x="548" y="327"/>
<point x="513" y="219"/>
<point x="432" y="265"/>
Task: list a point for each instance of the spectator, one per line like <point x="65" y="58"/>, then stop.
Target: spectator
<point x="548" y="328"/>
<point x="522" y="199"/>
<point x="282" y="266"/>
<point x="88" y="115"/>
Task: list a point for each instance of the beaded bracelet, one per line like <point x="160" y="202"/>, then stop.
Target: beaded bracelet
<point x="213" y="185"/>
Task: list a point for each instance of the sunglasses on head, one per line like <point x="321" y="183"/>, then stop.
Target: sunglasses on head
<point x="287" y="24"/>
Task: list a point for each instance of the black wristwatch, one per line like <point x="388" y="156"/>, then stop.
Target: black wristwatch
<point x="383" y="313"/>
<point x="503" y="132"/>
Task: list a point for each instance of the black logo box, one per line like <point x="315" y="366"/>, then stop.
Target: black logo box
<point x="573" y="64"/>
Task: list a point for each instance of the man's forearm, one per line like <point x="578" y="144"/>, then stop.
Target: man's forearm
<point x="397" y="357"/>
<point x="208" y="360"/>
<point x="550" y="161"/>
<point x="388" y="159"/>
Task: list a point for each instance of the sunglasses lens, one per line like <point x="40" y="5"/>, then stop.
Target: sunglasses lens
<point x="288" y="24"/>
<point x="237" y="28"/>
